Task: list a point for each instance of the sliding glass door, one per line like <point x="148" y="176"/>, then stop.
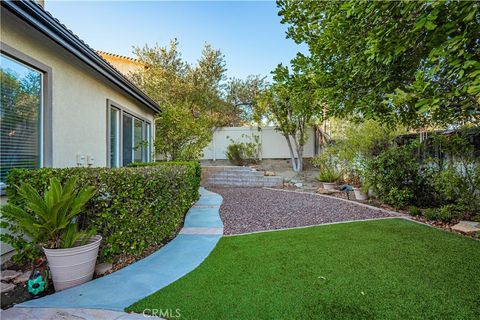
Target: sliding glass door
<point x="114" y="137"/>
<point x="129" y="139"/>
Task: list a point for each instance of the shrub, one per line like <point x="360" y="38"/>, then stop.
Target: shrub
<point x="456" y="167"/>
<point x="398" y="178"/>
<point x="447" y="213"/>
<point x="430" y="214"/>
<point x="133" y="208"/>
<point x="241" y="153"/>
<point x="414" y="211"/>
<point x="329" y="174"/>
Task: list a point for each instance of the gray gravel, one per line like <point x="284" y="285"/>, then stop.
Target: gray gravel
<point x="256" y="209"/>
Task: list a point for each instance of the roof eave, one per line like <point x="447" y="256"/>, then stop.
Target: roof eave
<point x="45" y="23"/>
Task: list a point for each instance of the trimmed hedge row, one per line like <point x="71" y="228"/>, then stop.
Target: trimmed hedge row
<point x="133" y="208"/>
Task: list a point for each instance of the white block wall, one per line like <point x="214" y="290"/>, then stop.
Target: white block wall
<point x="274" y="145"/>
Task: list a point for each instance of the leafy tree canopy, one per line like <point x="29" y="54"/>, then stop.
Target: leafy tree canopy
<point x="293" y="104"/>
<point x="243" y="95"/>
<point x="410" y="62"/>
<point x="169" y="80"/>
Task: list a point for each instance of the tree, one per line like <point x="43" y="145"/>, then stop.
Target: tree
<point x="243" y="95"/>
<point x="292" y="104"/>
<point x="191" y="97"/>
<point x="410" y="62"/>
<point x="180" y="135"/>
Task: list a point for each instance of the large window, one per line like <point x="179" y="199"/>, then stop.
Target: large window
<point x="20" y="116"/>
<point x="129" y="137"/>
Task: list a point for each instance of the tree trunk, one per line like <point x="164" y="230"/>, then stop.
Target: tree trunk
<point x="292" y="153"/>
<point x="299" y="149"/>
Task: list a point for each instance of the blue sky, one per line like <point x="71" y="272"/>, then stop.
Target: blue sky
<point x="248" y="33"/>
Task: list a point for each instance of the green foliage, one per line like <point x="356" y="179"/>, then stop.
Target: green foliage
<point x="241" y="153"/>
<point x="198" y="88"/>
<point x="329" y="174"/>
<point x="153" y="200"/>
<point x="293" y="106"/>
<point x="243" y="95"/>
<point x="397" y="177"/>
<point x="180" y="135"/>
<point x="456" y="177"/>
<point x="191" y="98"/>
<point x="430" y="214"/>
<point x="410" y="62"/>
<point x="48" y="221"/>
<point x="355" y="146"/>
<point x="414" y="211"/>
<point x="328" y="165"/>
<point x="449" y="212"/>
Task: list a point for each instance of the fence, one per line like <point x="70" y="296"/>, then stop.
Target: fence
<point x="273" y="144"/>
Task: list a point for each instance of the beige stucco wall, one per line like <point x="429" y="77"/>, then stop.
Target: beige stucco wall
<point x="273" y="144"/>
<point x="79" y="96"/>
<point x="79" y="99"/>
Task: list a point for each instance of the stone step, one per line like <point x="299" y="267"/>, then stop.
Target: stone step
<point x="235" y="179"/>
<point x="227" y="174"/>
<point x="246" y="182"/>
<point x="226" y="168"/>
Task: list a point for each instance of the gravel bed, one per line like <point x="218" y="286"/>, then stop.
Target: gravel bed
<point x="256" y="209"/>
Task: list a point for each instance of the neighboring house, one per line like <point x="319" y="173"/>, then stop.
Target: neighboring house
<point x="125" y="65"/>
<point x="62" y="104"/>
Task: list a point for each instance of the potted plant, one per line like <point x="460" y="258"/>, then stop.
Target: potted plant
<point x="359" y="194"/>
<point x="50" y="222"/>
<point x="329" y="175"/>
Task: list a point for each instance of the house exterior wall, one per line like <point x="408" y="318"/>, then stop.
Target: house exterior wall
<point x="273" y="144"/>
<point x="78" y="99"/>
<point x="79" y="96"/>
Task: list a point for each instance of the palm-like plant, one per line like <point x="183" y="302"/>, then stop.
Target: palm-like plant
<point x="51" y="220"/>
<point x="329" y="174"/>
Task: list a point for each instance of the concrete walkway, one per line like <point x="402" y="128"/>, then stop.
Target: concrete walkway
<point x="202" y="230"/>
<point x="63" y="314"/>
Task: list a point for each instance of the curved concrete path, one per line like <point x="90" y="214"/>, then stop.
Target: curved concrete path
<point x="201" y="232"/>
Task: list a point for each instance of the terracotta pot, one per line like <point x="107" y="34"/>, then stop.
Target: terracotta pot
<point x="73" y="266"/>
<point x="359" y="194"/>
<point x="329" y="185"/>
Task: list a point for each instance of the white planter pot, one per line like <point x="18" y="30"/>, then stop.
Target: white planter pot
<point x="73" y="266"/>
<point x="329" y="185"/>
<point x="359" y="195"/>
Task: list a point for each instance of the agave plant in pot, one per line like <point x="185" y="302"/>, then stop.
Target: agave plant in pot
<point x="51" y="222"/>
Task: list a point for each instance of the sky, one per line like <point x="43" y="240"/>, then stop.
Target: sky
<point x="248" y="33"/>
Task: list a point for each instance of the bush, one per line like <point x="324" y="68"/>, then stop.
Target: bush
<point x="398" y="178"/>
<point x="447" y="213"/>
<point x="414" y="211"/>
<point x="430" y="214"/>
<point x="134" y="208"/>
<point x="241" y="153"/>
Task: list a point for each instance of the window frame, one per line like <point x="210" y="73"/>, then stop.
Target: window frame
<point x="45" y="133"/>
<point x="123" y="110"/>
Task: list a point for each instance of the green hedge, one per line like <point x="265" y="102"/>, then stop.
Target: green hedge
<point x="134" y="208"/>
<point x="194" y="164"/>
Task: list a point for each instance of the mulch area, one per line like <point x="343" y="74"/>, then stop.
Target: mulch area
<point x="256" y="209"/>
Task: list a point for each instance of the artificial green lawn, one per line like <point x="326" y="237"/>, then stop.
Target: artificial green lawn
<point x="385" y="269"/>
